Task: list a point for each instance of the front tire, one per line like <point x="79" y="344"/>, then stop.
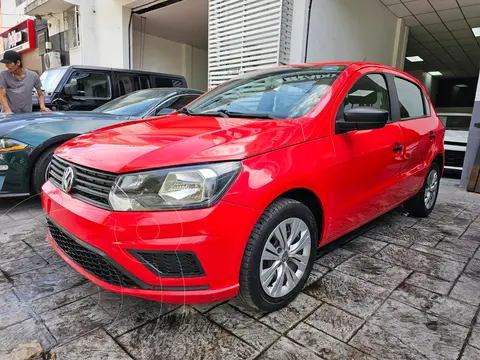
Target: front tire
<point x="422" y="204"/>
<point x="279" y="255"/>
<point x="40" y="169"/>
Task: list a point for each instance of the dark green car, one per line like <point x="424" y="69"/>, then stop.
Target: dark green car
<point x="28" y="141"/>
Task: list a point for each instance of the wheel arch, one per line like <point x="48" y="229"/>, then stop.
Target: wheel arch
<point x="440" y="161"/>
<point x="312" y="201"/>
<point x="54" y="141"/>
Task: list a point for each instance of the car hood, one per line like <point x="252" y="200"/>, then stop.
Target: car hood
<point x="457" y="136"/>
<point x="178" y="140"/>
<point x="10" y="123"/>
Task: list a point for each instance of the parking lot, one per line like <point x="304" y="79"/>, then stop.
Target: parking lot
<point x="398" y="288"/>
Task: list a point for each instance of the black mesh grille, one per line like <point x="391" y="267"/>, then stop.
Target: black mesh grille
<point x="90" y="186"/>
<point x="172" y="263"/>
<point x="90" y="261"/>
<point x="454" y="158"/>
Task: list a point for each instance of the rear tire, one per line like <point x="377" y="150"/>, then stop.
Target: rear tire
<point x="40" y="168"/>
<point x="422" y="204"/>
<point x="274" y="267"/>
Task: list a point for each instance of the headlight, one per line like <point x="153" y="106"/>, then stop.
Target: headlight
<point x="7" y="144"/>
<point x="188" y="187"/>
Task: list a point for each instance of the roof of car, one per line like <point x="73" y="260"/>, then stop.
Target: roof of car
<point x="87" y="67"/>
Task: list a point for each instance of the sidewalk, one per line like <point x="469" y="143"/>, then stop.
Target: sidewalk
<point x="400" y="288"/>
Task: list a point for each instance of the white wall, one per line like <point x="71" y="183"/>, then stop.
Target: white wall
<point x="346" y="30"/>
<point x="103" y="27"/>
<point x="153" y="53"/>
<point x="12" y="14"/>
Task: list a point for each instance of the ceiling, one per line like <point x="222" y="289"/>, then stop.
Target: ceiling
<point x="185" y="22"/>
<point x="441" y="34"/>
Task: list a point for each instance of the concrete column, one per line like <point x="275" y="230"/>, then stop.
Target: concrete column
<point x="299" y="31"/>
<point x="473" y="140"/>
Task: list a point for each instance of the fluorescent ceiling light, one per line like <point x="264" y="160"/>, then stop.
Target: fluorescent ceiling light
<point x="476" y="31"/>
<point x="435" y="73"/>
<point x="461" y="85"/>
<point x="414" y="58"/>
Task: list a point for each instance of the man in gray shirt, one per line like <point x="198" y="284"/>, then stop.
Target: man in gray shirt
<point x="17" y="84"/>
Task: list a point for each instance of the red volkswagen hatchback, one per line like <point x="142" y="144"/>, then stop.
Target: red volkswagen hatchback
<point x="235" y="192"/>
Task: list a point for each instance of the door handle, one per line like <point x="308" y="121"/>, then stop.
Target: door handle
<point x="398" y="147"/>
<point x="432" y="135"/>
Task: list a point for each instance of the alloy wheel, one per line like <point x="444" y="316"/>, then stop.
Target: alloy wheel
<point x="431" y="189"/>
<point x="285" y="257"/>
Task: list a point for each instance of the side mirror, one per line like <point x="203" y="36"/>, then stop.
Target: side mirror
<point x="71" y="89"/>
<point x="363" y="118"/>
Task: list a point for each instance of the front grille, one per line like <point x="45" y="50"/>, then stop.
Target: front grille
<point x="90" y="186"/>
<point x="454" y="158"/>
<point x="92" y="262"/>
<point x="171" y="263"/>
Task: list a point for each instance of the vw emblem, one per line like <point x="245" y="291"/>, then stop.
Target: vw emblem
<point x="67" y="179"/>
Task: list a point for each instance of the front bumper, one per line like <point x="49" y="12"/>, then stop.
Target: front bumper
<point x="109" y="242"/>
<point x="14" y="181"/>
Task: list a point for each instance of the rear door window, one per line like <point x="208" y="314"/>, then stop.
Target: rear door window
<point x="411" y="99"/>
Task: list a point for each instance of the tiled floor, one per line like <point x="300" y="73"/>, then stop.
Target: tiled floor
<point x="399" y="288"/>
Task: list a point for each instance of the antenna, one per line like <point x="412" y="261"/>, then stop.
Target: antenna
<point x="365" y="59"/>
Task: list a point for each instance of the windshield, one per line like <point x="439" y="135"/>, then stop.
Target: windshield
<point x="280" y="93"/>
<point x="133" y="104"/>
<point x="456" y="122"/>
<point x="51" y="78"/>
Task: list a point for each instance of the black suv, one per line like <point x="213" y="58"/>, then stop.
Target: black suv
<point x="84" y="88"/>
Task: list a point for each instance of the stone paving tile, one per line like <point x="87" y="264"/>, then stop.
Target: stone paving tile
<point x="5" y="285"/>
<point x="475" y="338"/>
<point x="75" y="319"/>
<point x="429" y="283"/>
<point x="471" y="353"/>
<point x="12" y="310"/>
<point x="471" y="235"/>
<point x="433" y="337"/>
<point x="457" y="246"/>
<point x="399" y="219"/>
<point x="348" y="293"/>
<point x="13" y="250"/>
<point x="440" y="253"/>
<point x="324" y="345"/>
<point x="376" y="271"/>
<point x="335" y="322"/>
<point x="285" y="349"/>
<point x="185" y="334"/>
<point x="335" y="257"/>
<point x="18" y="230"/>
<point x="405" y="237"/>
<point x="422" y="262"/>
<point x="448" y="226"/>
<point x="383" y="345"/>
<point x="317" y="272"/>
<point x="284" y="319"/>
<point x="467" y="289"/>
<point x="451" y="309"/>
<point x="26" y="331"/>
<point x="24" y="265"/>
<point x="365" y="246"/>
<point x="64" y="297"/>
<point x="240" y="305"/>
<point x="473" y="268"/>
<point x="204" y="308"/>
<point x="129" y="312"/>
<point x="46" y="281"/>
<point x="452" y="209"/>
<point x="251" y="331"/>
<point x="95" y="346"/>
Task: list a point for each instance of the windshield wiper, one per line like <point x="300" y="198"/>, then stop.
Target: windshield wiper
<point x="237" y="114"/>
